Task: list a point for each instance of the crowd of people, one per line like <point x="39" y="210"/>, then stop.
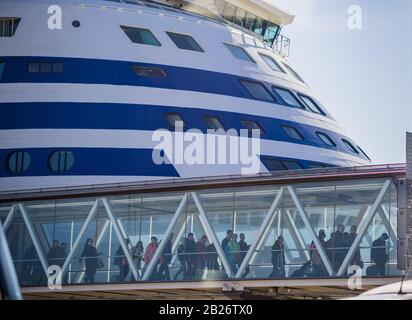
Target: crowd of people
<point x="196" y="256"/>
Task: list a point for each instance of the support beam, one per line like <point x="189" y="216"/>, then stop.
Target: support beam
<point x="295" y="233"/>
<point x="261" y="235"/>
<point x="312" y="233"/>
<point x="212" y="235"/>
<point x="34" y="238"/>
<point x="79" y="237"/>
<point x="166" y="237"/>
<point x="9" y="218"/>
<point x="120" y="237"/>
<point x="363" y="227"/>
<point x="393" y="233"/>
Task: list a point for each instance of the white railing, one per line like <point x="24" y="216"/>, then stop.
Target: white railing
<point x="282" y="46"/>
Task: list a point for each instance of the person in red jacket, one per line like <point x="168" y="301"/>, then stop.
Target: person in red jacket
<point x="150" y="251"/>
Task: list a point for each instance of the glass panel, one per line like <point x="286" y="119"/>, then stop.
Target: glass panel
<point x="57" y="67"/>
<point x="350" y="146"/>
<point x="292" y="133"/>
<point x="257" y="90"/>
<point x="142" y="36"/>
<point x="273" y="164"/>
<point x="293" y="72"/>
<point x="2" y="65"/>
<point x="311" y="104"/>
<point x="33" y="67"/>
<point x="172" y="118"/>
<point x="149" y="72"/>
<point x="271" y="62"/>
<point x="214" y="123"/>
<point x="239" y="53"/>
<point x="326" y="139"/>
<point x="288" y="97"/>
<point x="184" y="42"/>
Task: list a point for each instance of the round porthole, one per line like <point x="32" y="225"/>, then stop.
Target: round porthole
<point x="61" y="161"/>
<point x="76" y="23"/>
<point x="18" y="162"/>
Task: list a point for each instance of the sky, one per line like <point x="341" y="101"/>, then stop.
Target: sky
<point x="363" y="77"/>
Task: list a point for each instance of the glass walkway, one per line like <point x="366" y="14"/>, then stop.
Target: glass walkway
<point x="312" y="224"/>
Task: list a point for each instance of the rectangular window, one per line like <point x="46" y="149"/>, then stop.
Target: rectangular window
<point x="2" y="65"/>
<point x="311" y="104"/>
<point x="45" y="67"/>
<point x="326" y="139"/>
<point x="252" y="125"/>
<point x="293" y="72"/>
<point x="239" y="53"/>
<point x="272" y="164"/>
<point x="214" y="123"/>
<point x="292" y="133"/>
<point x="172" y="118"/>
<point x="185" y="42"/>
<point x="140" y="35"/>
<point x="292" y="165"/>
<point x="288" y="97"/>
<point x="350" y="146"/>
<point x="257" y="90"/>
<point x="271" y="63"/>
<point x="8" y="26"/>
<point x="149" y="72"/>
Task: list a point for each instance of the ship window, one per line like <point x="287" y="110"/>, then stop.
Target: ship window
<point x="292" y="165"/>
<point x="252" y="125"/>
<point x="45" y="67"/>
<point x="350" y="146"/>
<point x="311" y="104"/>
<point x="8" y="26"/>
<point x="229" y="12"/>
<point x="185" y="42"/>
<point x="214" y="123"/>
<point x="293" y="72"/>
<point x="272" y="164"/>
<point x="142" y="36"/>
<point x="292" y="133"/>
<point x="172" y="118"/>
<point x="288" y="97"/>
<point x="149" y="72"/>
<point x="271" y="62"/>
<point x="239" y="53"/>
<point x="18" y="161"/>
<point x="326" y="139"/>
<point x="364" y="153"/>
<point x="2" y="65"/>
<point x="257" y="90"/>
<point x="61" y="161"/>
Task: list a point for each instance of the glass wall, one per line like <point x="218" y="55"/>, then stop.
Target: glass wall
<point x="310" y="230"/>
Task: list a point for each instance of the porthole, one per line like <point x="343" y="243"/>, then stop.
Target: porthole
<point x="18" y="162"/>
<point x="61" y="161"/>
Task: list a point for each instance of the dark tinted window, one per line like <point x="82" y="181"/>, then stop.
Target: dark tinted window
<point x="45" y="67"/>
<point x="292" y="133"/>
<point x="140" y="35"/>
<point x="239" y="52"/>
<point x="257" y="90"/>
<point x="311" y="104"/>
<point x="214" y="123"/>
<point x="292" y="165"/>
<point x="271" y="62"/>
<point x="61" y="161"/>
<point x="172" y="118"/>
<point x="18" y="162"/>
<point x="364" y="153"/>
<point x="272" y="164"/>
<point x="251" y="125"/>
<point x="185" y="42"/>
<point x="2" y="65"/>
<point x="288" y="97"/>
<point x="149" y="72"/>
<point x="326" y="139"/>
<point x="350" y="146"/>
<point x="8" y="26"/>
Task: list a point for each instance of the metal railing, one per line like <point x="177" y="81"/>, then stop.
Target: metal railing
<point x="282" y="46"/>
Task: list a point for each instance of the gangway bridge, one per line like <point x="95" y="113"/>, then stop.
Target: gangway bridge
<point x="140" y="232"/>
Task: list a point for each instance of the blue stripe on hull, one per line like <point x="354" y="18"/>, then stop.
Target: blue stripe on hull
<point x="94" y="71"/>
<point x="93" y="161"/>
<point x="144" y="117"/>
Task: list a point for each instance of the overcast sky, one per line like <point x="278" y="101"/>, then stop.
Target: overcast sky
<point x="364" y="78"/>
